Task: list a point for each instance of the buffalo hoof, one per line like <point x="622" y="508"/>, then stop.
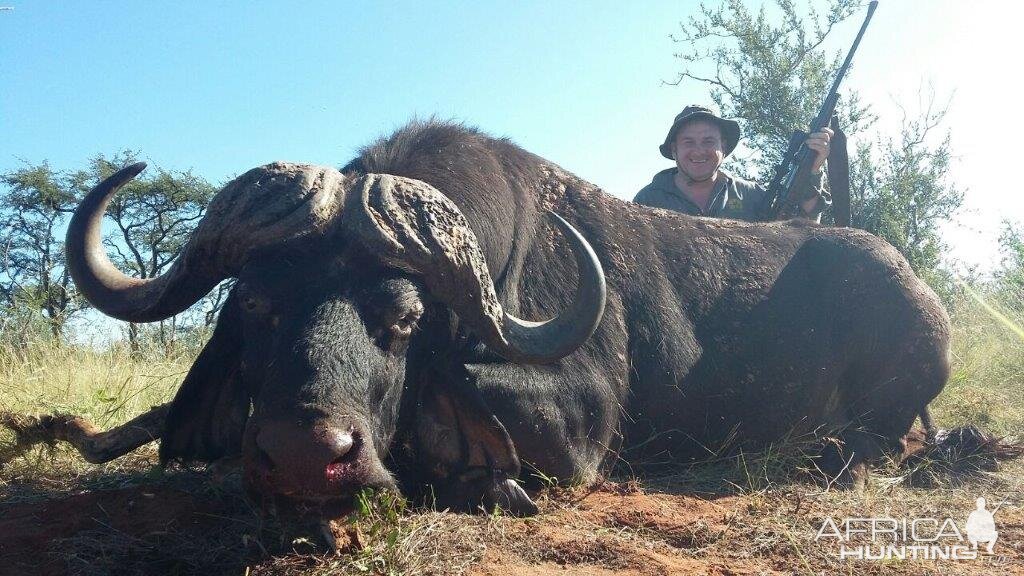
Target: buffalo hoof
<point x="853" y="477"/>
<point x="478" y="489"/>
<point x="509" y="496"/>
<point x="845" y="463"/>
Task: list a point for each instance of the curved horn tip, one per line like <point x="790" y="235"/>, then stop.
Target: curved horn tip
<point x="125" y="174"/>
<point x="100" y="282"/>
<point x="542" y="342"/>
<point x="601" y="283"/>
<point x="133" y="169"/>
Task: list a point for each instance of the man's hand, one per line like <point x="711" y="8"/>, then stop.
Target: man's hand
<point x="819" y="143"/>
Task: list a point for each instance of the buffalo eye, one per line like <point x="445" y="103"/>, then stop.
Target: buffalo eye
<point x="404" y="324"/>
<point x="251" y="302"/>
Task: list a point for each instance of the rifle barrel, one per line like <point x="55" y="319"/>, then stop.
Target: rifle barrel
<point x="798" y="160"/>
<point x="853" y="49"/>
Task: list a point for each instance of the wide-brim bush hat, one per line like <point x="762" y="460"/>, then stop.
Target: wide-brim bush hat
<point x="730" y="128"/>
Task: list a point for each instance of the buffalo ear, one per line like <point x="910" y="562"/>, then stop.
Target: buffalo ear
<point x="209" y="411"/>
<point x="465" y="449"/>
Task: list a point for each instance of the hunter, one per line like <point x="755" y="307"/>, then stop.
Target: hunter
<point x="699" y="141"/>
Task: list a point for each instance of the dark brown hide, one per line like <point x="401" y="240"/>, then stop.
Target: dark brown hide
<point x="208" y="415"/>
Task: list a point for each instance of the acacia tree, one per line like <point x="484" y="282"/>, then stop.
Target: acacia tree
<point x="770" y="71"/>
<point x="900" y="189"/>
<point x="154" y="216"/>
<point x="33" y="279"/>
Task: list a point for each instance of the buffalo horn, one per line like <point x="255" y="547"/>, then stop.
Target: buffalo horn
<point x="412" y="225"/>
<point x="272" y="204"/>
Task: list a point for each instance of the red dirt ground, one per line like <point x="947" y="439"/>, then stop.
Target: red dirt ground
<point x="615" y="530"/>
<point x="573" y="540"/>
<point x="31" y="532"/>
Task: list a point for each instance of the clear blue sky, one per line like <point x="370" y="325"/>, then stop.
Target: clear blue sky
<point x="221" y="87"/>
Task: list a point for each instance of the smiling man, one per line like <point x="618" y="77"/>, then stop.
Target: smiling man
<point x="699" y="141"/>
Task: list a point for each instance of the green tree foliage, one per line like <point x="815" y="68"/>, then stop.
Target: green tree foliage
<point x="153" y="217"/>
<point x="900" y="190"/>
<point x="769" y="69"/>
<point x="35" y="203"/>
<point x="1010" y="276"/>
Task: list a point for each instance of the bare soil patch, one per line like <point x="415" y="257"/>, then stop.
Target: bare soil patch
<point x="185" y="523"/>
<point x="52" y="536"/>
<point x="617" y="530"/>
<point x="134" y="520"/>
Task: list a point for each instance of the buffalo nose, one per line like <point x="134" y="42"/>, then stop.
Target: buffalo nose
<point x="342" y="441"/>
<point x="307" y="458"/>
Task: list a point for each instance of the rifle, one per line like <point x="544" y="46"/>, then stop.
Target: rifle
<point x="794" y="171"/>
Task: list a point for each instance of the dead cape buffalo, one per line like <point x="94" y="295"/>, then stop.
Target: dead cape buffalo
<point x="386" y="328"/>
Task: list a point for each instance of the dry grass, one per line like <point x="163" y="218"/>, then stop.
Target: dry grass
<point x="108" y="386"/>
<point x="987" y="384"/>
<point x="749" y="514"/>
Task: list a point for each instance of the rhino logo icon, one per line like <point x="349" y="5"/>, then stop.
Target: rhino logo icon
<point x="981" y="526"/>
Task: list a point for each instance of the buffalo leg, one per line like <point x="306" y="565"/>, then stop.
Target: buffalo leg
<point x="95" y="445"/>
<point x="564" y="433"/>
<point x="484" y="488"/>
<point x="929" y="425"/>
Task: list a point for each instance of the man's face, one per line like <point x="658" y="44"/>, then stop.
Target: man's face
<point x="698" y="150"/>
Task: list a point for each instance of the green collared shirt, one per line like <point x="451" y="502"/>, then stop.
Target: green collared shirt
<point x="732" y="197"/>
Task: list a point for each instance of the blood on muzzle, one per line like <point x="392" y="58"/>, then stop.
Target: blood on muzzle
<point x="316" y="458"/>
